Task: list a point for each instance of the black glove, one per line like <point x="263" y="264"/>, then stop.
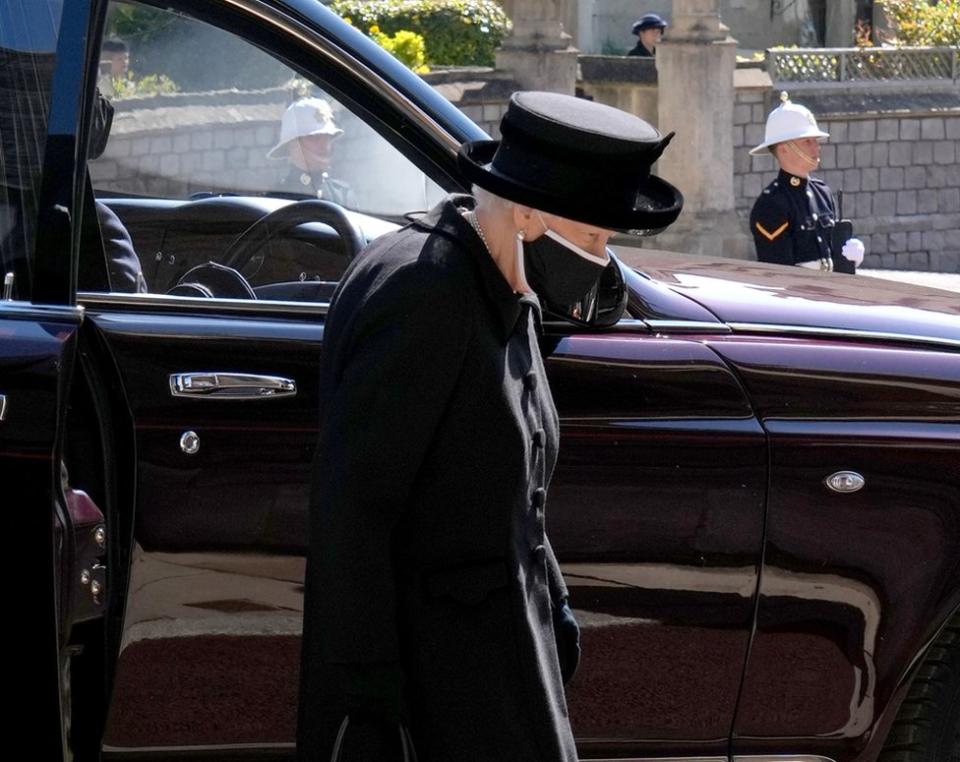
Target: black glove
<point x="566" y="631"/>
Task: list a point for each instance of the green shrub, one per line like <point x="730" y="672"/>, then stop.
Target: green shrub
<point x="456" y="32"/>
<point x="406" y="46"/>
<point x="131" y="86"/>
<point x="917" y="22"/>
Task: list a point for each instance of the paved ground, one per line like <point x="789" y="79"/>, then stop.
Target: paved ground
<point x="947" y="281"/>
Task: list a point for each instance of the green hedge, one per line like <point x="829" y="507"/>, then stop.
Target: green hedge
<point x="456" y="32"/>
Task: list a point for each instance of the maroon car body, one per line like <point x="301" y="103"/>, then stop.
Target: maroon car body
<point x="757" y="503"/>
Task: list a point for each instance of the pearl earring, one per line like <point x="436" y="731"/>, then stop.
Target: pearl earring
<point x="521" y="235"/>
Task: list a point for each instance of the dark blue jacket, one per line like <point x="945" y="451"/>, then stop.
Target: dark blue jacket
<point x="793" y="221"/>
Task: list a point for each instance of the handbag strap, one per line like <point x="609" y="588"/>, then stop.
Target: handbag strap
<point x="406" y="742"/>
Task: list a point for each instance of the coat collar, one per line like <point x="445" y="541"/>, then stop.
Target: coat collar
<point x="789" y="180"/>
<point x="447" y="219"/>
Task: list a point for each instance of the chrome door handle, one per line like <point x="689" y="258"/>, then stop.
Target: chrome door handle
<point x="3" y="406"/>
<point x="230" y="386"/>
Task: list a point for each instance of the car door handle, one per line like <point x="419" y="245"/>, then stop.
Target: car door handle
<point x="3" y="406"/>
<point x="231" y="386"/>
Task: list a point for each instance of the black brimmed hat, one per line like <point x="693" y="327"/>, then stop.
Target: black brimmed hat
<point x="649" y="21"/>
<point x="576" y="159"/>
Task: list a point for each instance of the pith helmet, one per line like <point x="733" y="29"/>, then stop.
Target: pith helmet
<point x="307" y="116"/>
<point x="789" y="121"/>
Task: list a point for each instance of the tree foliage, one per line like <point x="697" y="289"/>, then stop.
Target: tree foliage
<point x="919" y="22"/>
<point x="134" y="22"/>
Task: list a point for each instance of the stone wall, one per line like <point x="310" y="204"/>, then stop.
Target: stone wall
<point x="896" y="157"/>
<point x="898" y="168"/>
<point x="480" y="92"/>
<point x="894" y="151"/>
<point x="628" y="83"/>
<point x="178" y="145"/>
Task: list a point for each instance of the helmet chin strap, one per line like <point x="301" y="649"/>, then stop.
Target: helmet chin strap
<point x="806" y="157"/>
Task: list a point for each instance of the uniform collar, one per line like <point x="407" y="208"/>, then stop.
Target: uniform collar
<point x="303" y="178"/>
<point x="792" y="181"/>
<point x="447" y="219"/>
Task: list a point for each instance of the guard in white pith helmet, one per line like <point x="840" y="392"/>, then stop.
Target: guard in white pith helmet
<point x="308" y="134"/>
<point x="795" y="220"/>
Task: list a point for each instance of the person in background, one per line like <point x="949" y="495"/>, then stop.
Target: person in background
<point x="115" y="53"/>
<point x="648" y="30"/>
<point x="308" y="133"/>
<point x="795" y="221"/>
<point x="123" y="264"/>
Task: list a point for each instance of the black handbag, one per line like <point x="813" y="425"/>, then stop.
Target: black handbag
<point x="408" y="754"/>
<point x="841" y="233"/>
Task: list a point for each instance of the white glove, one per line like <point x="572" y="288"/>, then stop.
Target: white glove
<point x="853" y="250"/>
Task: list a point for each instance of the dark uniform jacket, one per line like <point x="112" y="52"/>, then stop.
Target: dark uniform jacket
<point x="793" y="221"/>
<point x="640" y="50"/>
<point x="122" y="260"/>
<point x="427" y="541"/>
<point x="302" y="185"/>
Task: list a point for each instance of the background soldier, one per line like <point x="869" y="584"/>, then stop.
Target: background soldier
<point x="795" y="221"/>
<point x="307" y="136"/>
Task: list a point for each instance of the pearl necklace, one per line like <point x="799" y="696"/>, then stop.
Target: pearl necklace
<point x="471" y="217"/>
<point x="475" y="224"/>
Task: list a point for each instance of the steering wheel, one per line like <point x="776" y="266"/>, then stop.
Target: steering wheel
<point x="213" y="280"/>
<point x="250" y="241"/>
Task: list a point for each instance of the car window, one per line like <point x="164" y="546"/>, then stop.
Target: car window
<point x="210" y="133"/>
<point x="28" y="40"/>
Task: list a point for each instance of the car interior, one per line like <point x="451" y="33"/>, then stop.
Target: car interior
<point x="185" y="167"/>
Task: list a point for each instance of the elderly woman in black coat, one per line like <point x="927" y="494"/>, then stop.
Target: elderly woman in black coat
<point x="436" y="616"/>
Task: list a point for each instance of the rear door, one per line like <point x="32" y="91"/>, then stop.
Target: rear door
<point x="39" y="326"/>
<point x="858" y="575"/>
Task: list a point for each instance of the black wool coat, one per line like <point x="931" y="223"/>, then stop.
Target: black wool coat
<point x="428" y="552"/>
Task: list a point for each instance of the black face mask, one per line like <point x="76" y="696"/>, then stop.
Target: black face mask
<point x="565" y="281"/>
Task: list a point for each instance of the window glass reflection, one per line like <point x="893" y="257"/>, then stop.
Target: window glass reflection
<point x="28" y="40"/>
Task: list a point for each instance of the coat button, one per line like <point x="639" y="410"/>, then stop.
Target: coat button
<point x="539" y="438"/>
<point x="539" y="498"/>
<point x="530" y="381"/>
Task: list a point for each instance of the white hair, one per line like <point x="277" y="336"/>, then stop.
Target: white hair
<point x="489" y="200"/>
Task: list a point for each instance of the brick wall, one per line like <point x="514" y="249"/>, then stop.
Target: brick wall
<point x="899" y="172"/>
